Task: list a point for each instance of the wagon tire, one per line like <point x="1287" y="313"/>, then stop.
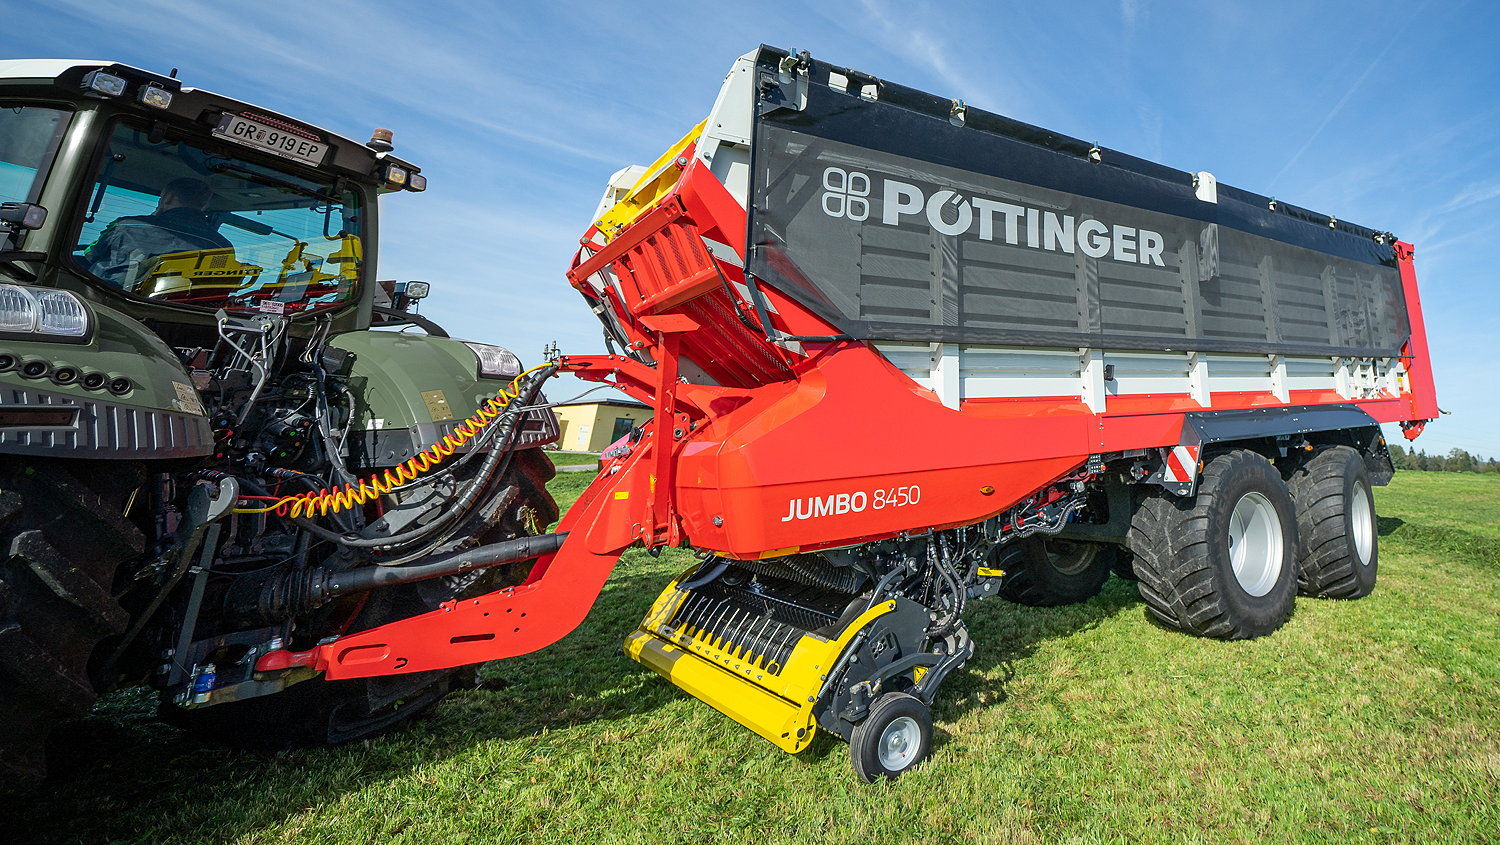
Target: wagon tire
<point x="1122" y="563"/>
<point x="1050" y="572"/>
<point x="1222" y="563"/>
<point x="1339" y="548"/>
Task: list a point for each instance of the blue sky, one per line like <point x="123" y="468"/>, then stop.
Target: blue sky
<point x="1382" y="113"/>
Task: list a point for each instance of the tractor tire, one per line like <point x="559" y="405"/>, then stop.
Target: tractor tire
<point x="1051" y="573"/>
<point x="63" y="537"/>
<point x="320" y="712"/>
<point x="1222" y="564"/>
<point x="1339" y="549"/>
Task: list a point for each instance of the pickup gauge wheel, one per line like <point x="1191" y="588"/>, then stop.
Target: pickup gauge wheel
<point x="1051" y="572"/>
<point x="895" y="736"/>
<point x="1223" y="563"/>
<point x="1339" y="550"/>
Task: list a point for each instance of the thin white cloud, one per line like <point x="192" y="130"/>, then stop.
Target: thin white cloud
<point x="1473" y="196"/>
<point x="1328" y="118"/>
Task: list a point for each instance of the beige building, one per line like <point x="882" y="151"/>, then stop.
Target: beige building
<point x="592" y="426"/>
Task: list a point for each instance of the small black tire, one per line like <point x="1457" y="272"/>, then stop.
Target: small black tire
<point x="895" y="736"/>
<point x="1051" y="572"/>
<point x="1194" y="575"/>
<point x="1339" y="548"/>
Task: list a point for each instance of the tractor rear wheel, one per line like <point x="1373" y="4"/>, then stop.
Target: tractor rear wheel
<point x="322" y="712"/>
<point x="63" y="537"/>
<point x="1052" y="572"/>
<point x="1223" y="563"/>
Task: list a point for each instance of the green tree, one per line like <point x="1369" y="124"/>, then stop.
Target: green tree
<point x="1458" y="460"/>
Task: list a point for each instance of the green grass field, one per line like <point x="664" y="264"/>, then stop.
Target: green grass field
<point x="569" y="459"/>
<point x="1376" y="720"/>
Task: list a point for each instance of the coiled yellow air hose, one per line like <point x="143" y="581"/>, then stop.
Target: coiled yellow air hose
<point x="332" y="500"/>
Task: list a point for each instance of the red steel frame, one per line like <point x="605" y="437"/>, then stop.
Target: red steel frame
<point x="732" y="467"/>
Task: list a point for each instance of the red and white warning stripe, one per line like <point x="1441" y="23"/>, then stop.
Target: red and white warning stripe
<point x="1182" y="464"/>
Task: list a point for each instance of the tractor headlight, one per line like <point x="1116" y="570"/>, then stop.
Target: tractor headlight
<point x="42" y="311"/>
<point x="495" y="361"/>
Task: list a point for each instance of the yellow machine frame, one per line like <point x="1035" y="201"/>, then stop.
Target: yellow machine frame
<point x="774" y="701"/>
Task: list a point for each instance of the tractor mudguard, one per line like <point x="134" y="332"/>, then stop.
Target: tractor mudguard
<point x="409" y="390"/>
<point x="118" y="393"/>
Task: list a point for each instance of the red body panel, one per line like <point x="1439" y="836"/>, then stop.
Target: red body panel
<point x="1422" y="389"/>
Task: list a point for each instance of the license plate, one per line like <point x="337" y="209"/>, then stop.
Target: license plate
<point x="271" y="140"/>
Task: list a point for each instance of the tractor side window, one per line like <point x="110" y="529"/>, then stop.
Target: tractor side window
<point x="28" y="137"/>
<point x="185" y="221"/>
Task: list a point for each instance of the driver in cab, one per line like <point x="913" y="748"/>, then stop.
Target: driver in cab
<point x="180" y="223"/>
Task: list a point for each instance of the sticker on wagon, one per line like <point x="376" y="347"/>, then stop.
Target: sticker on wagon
<point x="272" y="140"/>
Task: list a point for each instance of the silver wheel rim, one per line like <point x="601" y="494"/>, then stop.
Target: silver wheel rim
<point x="1255" y="544"/>
<point x="1362" y="523"/>
<point x="1070" y="558"/>
<point x="899" y="743"/>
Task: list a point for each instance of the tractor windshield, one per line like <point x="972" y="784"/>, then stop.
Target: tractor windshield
<point x="192" y="222"/>
<point x="28" y="137"/>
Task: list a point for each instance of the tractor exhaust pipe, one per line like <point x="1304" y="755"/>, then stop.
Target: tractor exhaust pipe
<point x="259" y="601"/>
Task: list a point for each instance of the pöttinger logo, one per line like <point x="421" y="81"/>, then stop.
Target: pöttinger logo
<point x="846" y="193"/>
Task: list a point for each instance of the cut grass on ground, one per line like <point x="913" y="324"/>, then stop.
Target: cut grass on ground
<point x="1374" y="720"/>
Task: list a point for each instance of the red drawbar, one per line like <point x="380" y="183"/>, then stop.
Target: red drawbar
<point x="511" y="622"/>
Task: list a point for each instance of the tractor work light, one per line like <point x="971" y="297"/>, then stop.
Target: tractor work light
<point x="396" y="175"/>
<point x="103" y="84"/>
<point x="42" y="311"/>
<point x="495" y="361"/>
<point x="155" y="96"/>
<point x="418" y="182"/>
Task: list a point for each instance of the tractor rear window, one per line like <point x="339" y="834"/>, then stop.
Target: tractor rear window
<point x="188" y="222"/>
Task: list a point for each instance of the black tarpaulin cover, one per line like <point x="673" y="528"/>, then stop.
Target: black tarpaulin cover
<point x="897" y="221"/>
